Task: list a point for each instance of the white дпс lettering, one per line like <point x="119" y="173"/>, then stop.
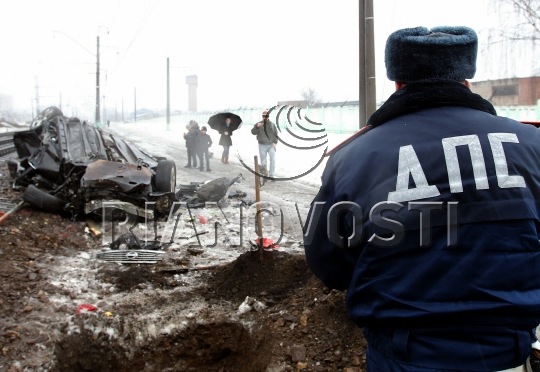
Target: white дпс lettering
<point x="409" y="166"/>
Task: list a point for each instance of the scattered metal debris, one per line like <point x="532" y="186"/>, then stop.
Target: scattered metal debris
<point x="129" y="256"/>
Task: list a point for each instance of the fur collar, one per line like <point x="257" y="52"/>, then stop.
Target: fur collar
<point x="426" y="94"/>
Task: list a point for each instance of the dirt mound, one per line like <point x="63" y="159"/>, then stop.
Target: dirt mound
<point x="273" y="276"/>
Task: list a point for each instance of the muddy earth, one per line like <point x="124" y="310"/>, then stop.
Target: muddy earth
<point x="62" y="309"/>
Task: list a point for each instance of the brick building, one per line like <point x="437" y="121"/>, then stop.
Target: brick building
<point x="509" y="92"/>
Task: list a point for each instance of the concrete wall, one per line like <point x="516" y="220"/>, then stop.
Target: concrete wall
<point x="339" y="119"/>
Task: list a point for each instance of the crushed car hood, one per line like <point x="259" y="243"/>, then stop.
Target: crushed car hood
<point x="107" y="174"/>
<point x="74" y="141"/>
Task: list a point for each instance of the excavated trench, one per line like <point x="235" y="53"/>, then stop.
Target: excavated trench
<point x="199" y="347"/>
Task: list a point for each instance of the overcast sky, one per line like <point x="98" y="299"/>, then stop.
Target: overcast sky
<point x="245" y="52"/>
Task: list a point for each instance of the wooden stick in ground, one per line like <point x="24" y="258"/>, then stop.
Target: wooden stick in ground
<point x="257" y="200"/>
<point x="4" y="216"/>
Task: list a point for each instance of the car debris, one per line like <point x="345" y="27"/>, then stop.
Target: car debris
<point x="237" y="195"/>
<point x="93" y="229"/>
<point x="129" y="256"/>
<point x="197" y="194"/>
<point x="69" y="166"/>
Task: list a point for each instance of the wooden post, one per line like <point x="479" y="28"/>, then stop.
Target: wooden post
<point x="257" y="200"/>
<point x="4" y="216"/>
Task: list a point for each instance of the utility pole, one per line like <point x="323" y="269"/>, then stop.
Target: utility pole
<point x="134" y="105"/>
<point x="371" y="95"/>
<point x="168" y="96"/>
<point x="98" y="108"/>
<point x="104" y="116"/>
<point x="367" y="82"/>
<point x="36" y="87"/>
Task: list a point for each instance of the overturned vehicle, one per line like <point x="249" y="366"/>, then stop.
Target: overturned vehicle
<point x="70" y="166"/>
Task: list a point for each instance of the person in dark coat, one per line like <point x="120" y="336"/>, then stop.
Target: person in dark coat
<point x="225" y="140"/>
<point x="191" y="143"/>
<point x="204" y="141"/>
<point x="429" y="217"/>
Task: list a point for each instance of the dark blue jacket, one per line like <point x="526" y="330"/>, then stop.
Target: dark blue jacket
<point x="444" y="235"/>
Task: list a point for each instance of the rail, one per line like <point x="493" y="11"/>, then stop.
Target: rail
<point x="7" y="147"/>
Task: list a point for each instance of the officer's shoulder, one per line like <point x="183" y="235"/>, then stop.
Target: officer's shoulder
<point x="345" y="142"/>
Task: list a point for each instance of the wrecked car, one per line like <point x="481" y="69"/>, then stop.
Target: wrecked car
<point x="70" y="166"/>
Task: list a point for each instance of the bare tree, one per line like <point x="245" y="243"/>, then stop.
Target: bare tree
<point x="512" y="45"/>
<point x="310" y="96"/>
<point x="521" y="19"/>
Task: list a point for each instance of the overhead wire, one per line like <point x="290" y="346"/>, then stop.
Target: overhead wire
<point x="146" y="16"/>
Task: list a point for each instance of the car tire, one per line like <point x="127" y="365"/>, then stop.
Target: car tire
<point x="43" y="200"/>
<point x="165" y="179"/>
<point x="46" y="115"/>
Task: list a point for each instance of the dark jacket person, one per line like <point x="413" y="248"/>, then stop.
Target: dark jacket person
<point x="225" y="140"/>
<point x="191" y="143"/>
<point x="429" y="217"/>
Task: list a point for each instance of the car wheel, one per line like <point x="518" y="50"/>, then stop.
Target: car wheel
<point x="47" y="114"/>
<point x="165" y="176"/>
<point x="42" y="200"/>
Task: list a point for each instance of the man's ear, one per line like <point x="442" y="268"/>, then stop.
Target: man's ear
<point x="467" y="84"/>
<point x="399" y="85"/>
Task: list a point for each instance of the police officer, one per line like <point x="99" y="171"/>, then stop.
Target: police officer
<point x="429" y="217"/>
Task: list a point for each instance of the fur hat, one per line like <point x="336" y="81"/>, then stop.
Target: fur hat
<point x="192" y="124"/>
<point x="440" y="53"/>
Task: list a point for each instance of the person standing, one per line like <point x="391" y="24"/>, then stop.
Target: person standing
<point x="204" y="141"/>
<point x="429" y="218"/>
<point x="267" y="137"/>
<point x="191" y="143"/>
<point x="225" y="140"/>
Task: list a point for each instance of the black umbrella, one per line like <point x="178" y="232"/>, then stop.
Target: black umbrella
<point x="217" y="121"/>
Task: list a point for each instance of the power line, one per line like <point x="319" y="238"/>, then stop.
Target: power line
<point x="142" y="23"/>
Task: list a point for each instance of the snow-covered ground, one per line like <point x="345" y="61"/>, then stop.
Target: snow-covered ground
<point x="298" y="155"/>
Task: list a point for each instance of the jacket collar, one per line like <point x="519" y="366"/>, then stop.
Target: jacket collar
<point x="426" y="94"/>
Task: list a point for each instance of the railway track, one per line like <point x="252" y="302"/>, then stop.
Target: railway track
<point x="7" y="147"/>
<point x="7" y="151"/>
